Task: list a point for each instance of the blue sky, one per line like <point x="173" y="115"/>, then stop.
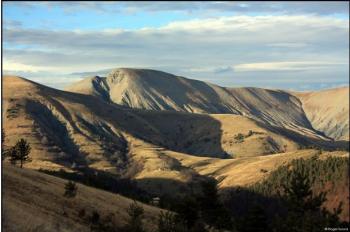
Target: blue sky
<point x="290" y="45"/>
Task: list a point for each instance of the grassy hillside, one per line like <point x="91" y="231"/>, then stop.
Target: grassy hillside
<point x="156" y="90"/>
<point x="33" y="201"/>
<point x="246" y="171"/>
<point x="68" y="130"/>
<point x="141" y="154"/>
<point x="162" y="150"/>
<point x="328" y="111"/>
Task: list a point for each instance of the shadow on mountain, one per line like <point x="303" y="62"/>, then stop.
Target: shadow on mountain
<point x="53" y="133"/>
<point x="195" y="134"/>
<point x="307" y="142"/>
<point x="169" y="129"/>
<point x="103" y="180"/>
<point x="239" y="201"/>
<point x="170" y="187"/>
<point x="141" y="189"/>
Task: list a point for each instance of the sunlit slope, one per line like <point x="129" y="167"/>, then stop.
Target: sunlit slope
<point x="328" y="111"/>
<point x="156" y="90"/>
<point x="246" y="171"/>
<point x="90" y="130"/>
<point x="33" y="201"/>
<point x="69" y="130"/>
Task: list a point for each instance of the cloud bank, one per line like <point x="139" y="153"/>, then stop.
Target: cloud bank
<point x="226" y="50"/>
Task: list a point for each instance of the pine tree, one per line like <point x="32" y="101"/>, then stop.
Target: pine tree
<point x="212" y="210"/>
<point x="12" y="153"/>
<point x="20" y="152"/>
<point x="187" y="211"/>
<point x="134" y="223"/>
<point x="305" y="212"/>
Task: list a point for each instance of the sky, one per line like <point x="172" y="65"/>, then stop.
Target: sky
<point x="287" y="45"/>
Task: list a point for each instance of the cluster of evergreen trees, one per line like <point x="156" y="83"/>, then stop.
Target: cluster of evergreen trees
<point x="291" y="198"/>
<point x="316" y="171"/>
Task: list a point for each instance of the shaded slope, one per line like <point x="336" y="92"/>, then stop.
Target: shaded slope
<point x="33" y="201"/>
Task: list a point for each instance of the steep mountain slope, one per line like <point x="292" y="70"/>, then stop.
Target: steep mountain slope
<point x="155" y="90"/>
<point x="69" y="130"/>
<point x="33" y="201"/>
<point x="328" y="111"/>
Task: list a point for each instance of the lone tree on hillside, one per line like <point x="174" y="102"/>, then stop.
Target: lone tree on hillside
<point x="71" y="189"/>
<point x="20" y="152"/>
<point x="135" y="224"/>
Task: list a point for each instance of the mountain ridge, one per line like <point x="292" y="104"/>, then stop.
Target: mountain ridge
<point x="77" y="117"/>
<point x="156" y="90"/>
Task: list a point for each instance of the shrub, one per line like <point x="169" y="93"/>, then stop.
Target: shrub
<point x="239" y="137"/>
<point x="250" y="133"/>
<point x="70" y="189"/>
<point x="167" y="223"/>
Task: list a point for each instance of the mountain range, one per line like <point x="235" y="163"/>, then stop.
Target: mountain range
<point x="156" y="90"/>
<point x="167" y="132"/>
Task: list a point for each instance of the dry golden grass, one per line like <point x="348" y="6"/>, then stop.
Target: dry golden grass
<point x="328" y="111"/>
<point x="34" y="201"/>
<point x="68" y="110"/>
<point x="245" y="171"/>
<point x="162" y="147"/>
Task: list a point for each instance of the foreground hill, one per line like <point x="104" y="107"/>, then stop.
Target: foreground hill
<point x="328" y="111"/>
<point x="156" y="90"/>
<point x="33" y="201"/>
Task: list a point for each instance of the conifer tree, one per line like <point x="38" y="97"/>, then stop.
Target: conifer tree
<point x="212" y="210"/>
<point x="134" y="223"/>
<point x="167" y="223"/>
<point x="305" y="212"/>
<point x="20" y="152"/>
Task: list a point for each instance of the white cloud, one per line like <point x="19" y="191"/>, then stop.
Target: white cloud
<point x="288" y="45"/>
<point x="305" y="46"/>
<point x="285" y="66"/>
<point x="256" y="23"/>
<point x="8" y="65"/>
